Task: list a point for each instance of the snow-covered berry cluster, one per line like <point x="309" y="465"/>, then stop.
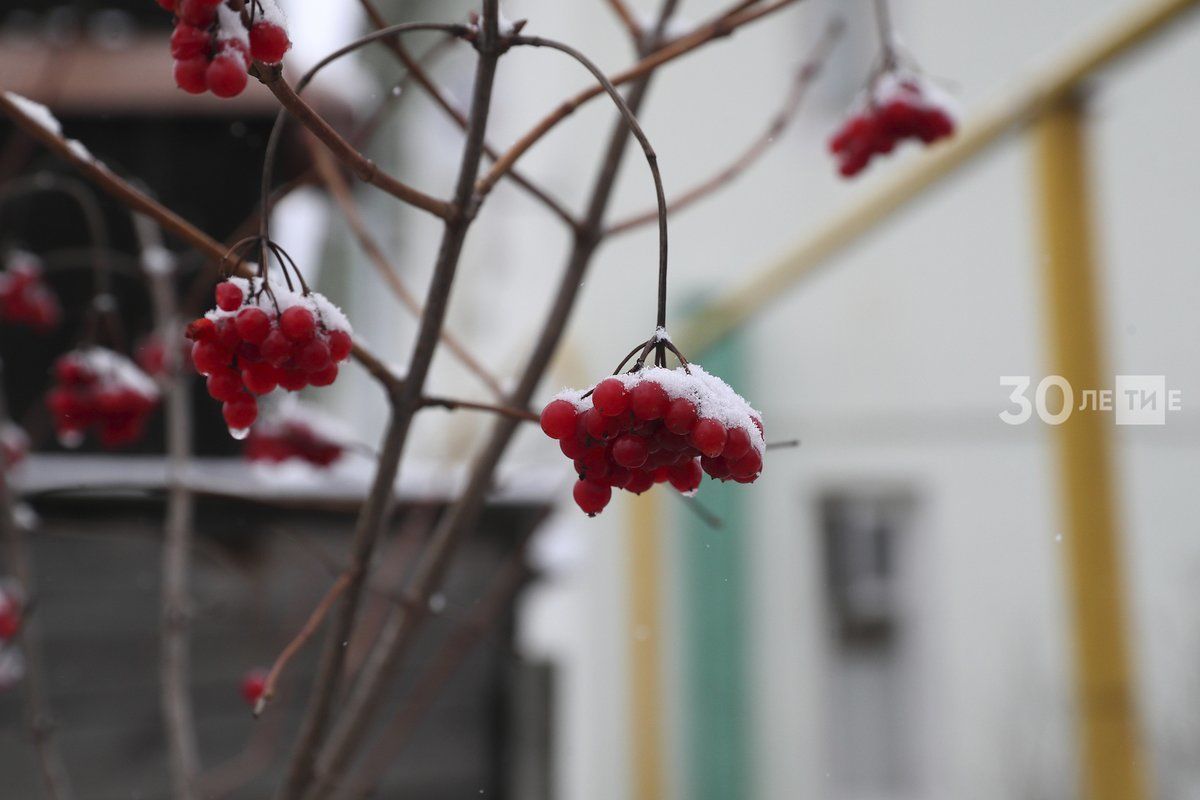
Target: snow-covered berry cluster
<point x="14" y="445"/>
<point x="213" y="43"/>
<point x="25" y="299"/>
<point x="263" y="336"/>
<point x="98" y="388"/>
<point x="254" y="683"/>
<point x="655" y="425"/>
<point x="899" y="106"/>
<point x="293" y="432"/>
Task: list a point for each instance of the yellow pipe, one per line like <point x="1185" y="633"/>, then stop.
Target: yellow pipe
<point x="1111" y="755"/>
<point x="646" y="708"/>
<point x="714" y="321"/>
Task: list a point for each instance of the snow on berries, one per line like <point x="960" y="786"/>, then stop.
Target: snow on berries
<point x="899" y="105"/>
<point x="296" y="433"/>
<point x="25" y="299"/>
<point x="213" y="42"/>
<point x="654" y="425"/>
<point x="263" y="336"/>
<point x="96" y="388"/>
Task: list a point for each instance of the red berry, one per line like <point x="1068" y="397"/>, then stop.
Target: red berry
<point x="225" y="384"/>
<point x="252" y="324"/>
<point x="229" y="296"/>
<point x="240" y="414"/>
<point x="10" y="618"/>
<point x="292" y="380"/>
<point x="276" y="349"/>
<point x="630" y="451"/>
<point x="254" y="683"/>
<point x="649" y="400"/>
<point x="191" y="74"/>
<point x="715" y="467"/>
<point x="748" y="466"/>
<point x="737" y="444"/>
<point x="572" y="447"/>
<point x="198" y="13"/>
<point x="268" y="42"/>
<point x="201" y="329"/>
<point x="639" y="481"/>
<point x="208" y="357"/>
<point x="593" y="464"/>
<point x="325" y="376"/>
<point x="226" y="74"/>
<point x="591" y="496"/>
<point x="340" y="345"/>
<point x="188" y="42"/>
<point x="611" y="397"/>
<point x="313" y="356"/>
<point x="259" y="377"/>
<point x="686" y="477"/>
<point x="297" y="324"/>
<point x="681" y="416"/>
<point x="708" y="436"/>
<point x="558" y="419"/>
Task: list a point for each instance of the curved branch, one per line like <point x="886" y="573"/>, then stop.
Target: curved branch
<point x="417" y="71"/>
<point x="724" y="25"/>
<point x="779" y="123"/>
<point x="170" y="221"/>
<point x="651" y="157"/>
<point x="363" y="167"/>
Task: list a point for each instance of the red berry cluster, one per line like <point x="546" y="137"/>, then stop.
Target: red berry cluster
<point x="213" y="46"/>
<point x="292" y="434"/>
<point x="254" y="683"/>
<point x="900" y="107"/>
<point x="95" y="387"/>
<point x="151" y="355"/>
<point x="25" y="299"/>
<point x="260" y="338"/>
<point x="653" y="426"/>
<point x="14" y="444"/>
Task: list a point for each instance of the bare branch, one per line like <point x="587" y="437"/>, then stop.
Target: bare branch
<point x="451" y="404"/>
<point x="720" y="27"/>
<point x="442" y="100"/>
<point x="391" y="276"/>
<point x="627" y="19"/>
<point x="779" y="123"/>
<point x="177" y="226"/>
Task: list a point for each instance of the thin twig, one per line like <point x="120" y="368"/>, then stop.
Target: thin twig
<point x="451" y="404"/>
<point x="779" y="123"/>
<point x="299" y="640"/>
<point x="38" y="718"/>
<point x="441" y="99"/>
<point x="627" y="19"/>
<point x="175" y="668"/>
<point x="342" y="195"/>
<point x="172" y="223"/>
<point x="720" y="27"/>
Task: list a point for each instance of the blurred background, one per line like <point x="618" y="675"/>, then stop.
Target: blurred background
<point x="899" y="608"/>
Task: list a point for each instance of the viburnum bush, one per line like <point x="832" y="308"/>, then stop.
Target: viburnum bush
<point x="264" y="335"/>
<point x="97" y="388"/>
<point x="291" y="432"/>
<point x="654" y="425"/>
<point x="214" y="42"/>
<point x="25" y="299"/>
<point x="898" y="105"/>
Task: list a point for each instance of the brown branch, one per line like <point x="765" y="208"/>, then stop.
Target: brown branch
<point x="172" y="223"/>
<point x="472" y="631"/>
<point x="442" y="100"/>
<point x="779" y="123"/>
<point x="627" y="19"/>
<point x="342" y="195"/>
<point x="363" y="702"/>
<point x="175" y="668"/>
<point x="40" y="722"/>
<point x="720" y="27"/>
<point x="405" y="401"/>
<point x="451" y="404"/>
<point x="310" y="627"/>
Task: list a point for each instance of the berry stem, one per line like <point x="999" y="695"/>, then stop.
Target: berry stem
<point x="636" y="129"/>
<point x="887" y="34"/>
